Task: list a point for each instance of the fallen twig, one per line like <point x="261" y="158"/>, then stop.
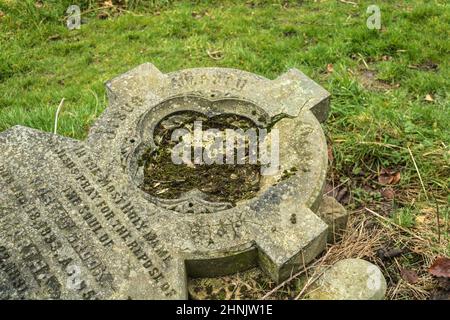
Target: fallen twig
<point x="348" y="2"/>
<point x="418" y="173"/>
<point x="316" y="275"/>
<point x="394" y="224"/>
<point x="57" y="115"/>
<point x="338" y="186"/>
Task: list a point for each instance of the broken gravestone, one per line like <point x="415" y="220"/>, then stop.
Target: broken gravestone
<point x="103" y="219"/>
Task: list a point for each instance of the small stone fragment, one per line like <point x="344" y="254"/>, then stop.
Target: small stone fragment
<point x="335" y="215"/>
<point x="350" y="279"/>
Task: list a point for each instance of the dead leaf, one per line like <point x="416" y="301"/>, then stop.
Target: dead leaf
<point x="388" y="193"/>
<point x="384" y="178"/>
<point x="330" y="154"/>
<point x="409" y="276"/>
<point x="386" y="58"/>
<point x="440" y="267"/>
<point x="429" y="98"/>
<point x="108" y="3"/>
<point x="396" y="178"/>
<point x="330" y="68"/>
<point x="54" y="37"/>
<point x="216" y="55"/>
<point x="388" y="176"/>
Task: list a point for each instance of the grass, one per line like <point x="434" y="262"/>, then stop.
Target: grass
<point x="390" y="106"/>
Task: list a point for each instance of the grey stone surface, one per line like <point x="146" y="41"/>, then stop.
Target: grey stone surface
<point x="335" y="215"/>
<point x="350" y="279"/>
<point x="74" y="223"/>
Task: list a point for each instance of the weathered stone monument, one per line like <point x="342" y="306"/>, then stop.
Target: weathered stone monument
<point x="77" y="220"/>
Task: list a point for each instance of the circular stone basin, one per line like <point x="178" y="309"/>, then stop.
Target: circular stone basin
<point x="195" y="184"/>
<point x="219" y="181"/>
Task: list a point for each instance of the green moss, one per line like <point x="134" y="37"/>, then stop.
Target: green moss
<point x="221" y="182"/>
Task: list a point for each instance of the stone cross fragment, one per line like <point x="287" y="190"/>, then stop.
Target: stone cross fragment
<point x="76" y="224"/>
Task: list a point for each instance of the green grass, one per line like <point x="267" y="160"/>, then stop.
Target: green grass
<point x="370" y="127"/>
<point x="404" y="217"/>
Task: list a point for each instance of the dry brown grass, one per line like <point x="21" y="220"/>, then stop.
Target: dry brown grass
<point x="366" y="237"/>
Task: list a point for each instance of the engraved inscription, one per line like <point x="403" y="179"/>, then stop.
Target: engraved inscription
<point x="190" y="79"/>
<point x="118" y="212"/>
